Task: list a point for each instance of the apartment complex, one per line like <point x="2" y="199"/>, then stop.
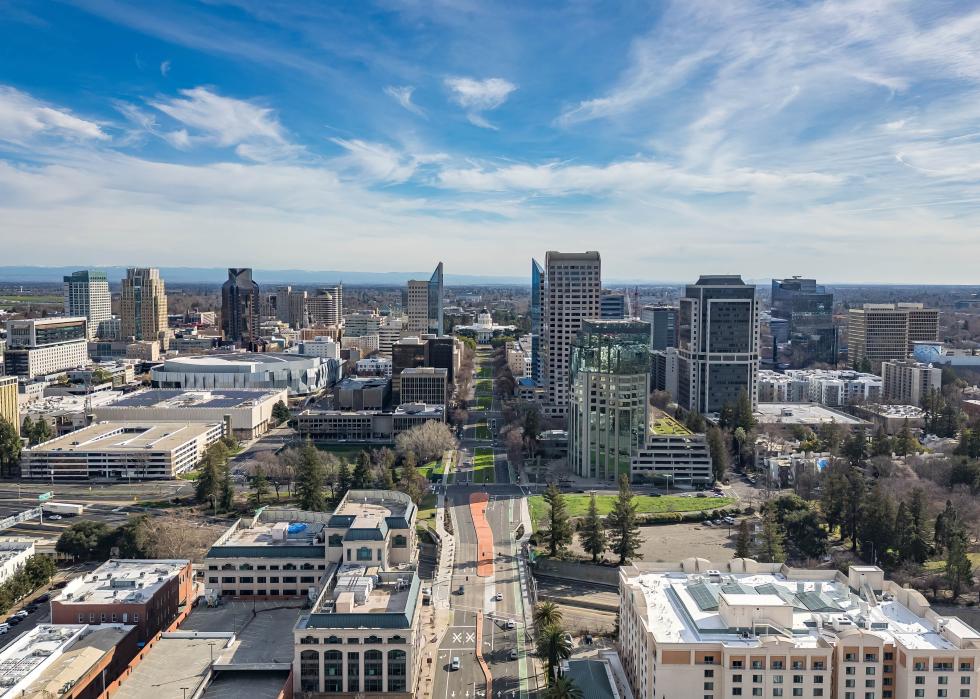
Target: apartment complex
<point x="143" y="305"/>
<point x="121" y="451"/>
<point x="909" y="382"/>
<point x="9" y="409"/>
<point x="572" y="287"/>
<point x="748" y="629"/>
<point x="810" y="334"/>
<point x="424" y="385"/>
<point x="881" y="332"/>
<point x="240" y="307"/>
<point x="610" y="385"/>
<point x="423" y="304"/>
<point x="718" y="349"/>
<point x="326" y="306"/>
<point x="831" y="387"/>
<point x="147" y="594"/>
<point x="43" y="346"/>
<point x="87" y="294"/>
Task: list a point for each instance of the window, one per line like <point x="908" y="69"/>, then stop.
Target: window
<point x="736" y="691"/>
<point x="309" y="671"/>
<point x="136" y="618"/>
<point x="113" y="618"/>
<point x="870" y="658"/>
<point x="353" y="671"/>
<point x="777" y="664"/>
<point x="709" y="685"/>
<point x="965" y="679"/>
<point x="736" y="678"/>
<point x="307" y="579"/>
<point x="399" y="542"/>
<point x="709" y="673"/>
<point x="261" y="580"/>
<point x="869" y="671"/>
<point x="364" y="554"/>
<point x="964" y="692"/>
<point x="248" y="580"/>
<point x="777" y="692"/>
<point x="797" y="679"/>
<point x="81" y="618"/>
<point x="797" y="691"/>
<point x="213" y="581"/>
<point x="757" y="691"/>
<point x="373" y="679"/>
<point x="396" y="670"/>
<point x="818" y="692"/>
<point x="289" y="579"/>
<point x="920" y="693"/>
<point x="228" y="580"/>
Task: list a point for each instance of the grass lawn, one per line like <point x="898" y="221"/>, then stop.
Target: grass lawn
<point x="192" y="475"/>
<point x="484" y="402"/>
<point x="578" y="504"/>
<point x="484" y="387"/>
<point x="432" y="469"/>
<point x="485" y="372"/>
<point x="483" y="466"/>
<point x="427" y="509"/>
<point x="938" y="566"/>
<point x="348" y="451"/>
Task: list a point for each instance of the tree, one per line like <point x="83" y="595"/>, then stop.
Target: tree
<point x="361" y="478"/>
<point x="881" y="444"/>
<point x="10" y="447"/>
<point x="226" y="489"/>
<point x="40" y="433"/>
<point x="563" y="688"/>
<point x="742" y="416"/>
<point x="309" y="478"/>
<point x="959" y="570"/>
<point x="280" y="413"/>
<point x="413" y="483"/>
<point x="546" y="614"/>
<point x="344" y="478"/>
<point x="770" y="548"/>
<point x="743" y="543"/>
<point x="553" y="645"/>
<point x="719" y="454"/>
<point x="738" y="437"/>
<point x="209" y="480"/>
<point x="831" y="435"/>
<point x="624" y="532"/>
<point x="911" y="535"/>
<point x="856" y="447"/>
<point x="559" y="532"/>
<point x="805" y="533"/>
<point x="85" y="539"/>
<point x="427" y="441"/>
<point x="905" y="442"/>
<point x="947" y="523"/>
<point x="694" y="421"/>
<point x="877" y="526"/>
<point x="593" y="532"/>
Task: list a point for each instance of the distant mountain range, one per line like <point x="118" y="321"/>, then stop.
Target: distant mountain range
<point x="217" y="275"/>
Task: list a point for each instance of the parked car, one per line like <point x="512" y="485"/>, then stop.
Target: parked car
<point x="31" y="608"/>
<point x="14" y="620"/>
<point x="498" y="597"/>
<point x="43" y="598"/>
<point x="23" y="614"/>
<point x="454" y="663"/>
<point x="4" y="628"/>
<point x="707" y="523"/>
<point x="54" y="516"/>
<point x="511" y="624"/>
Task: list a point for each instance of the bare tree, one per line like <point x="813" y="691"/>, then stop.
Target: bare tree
<point x="174" y="537"/>
<point x="426" y="441"/>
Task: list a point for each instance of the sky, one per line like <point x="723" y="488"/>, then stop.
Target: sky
<point x="836" y="139"/>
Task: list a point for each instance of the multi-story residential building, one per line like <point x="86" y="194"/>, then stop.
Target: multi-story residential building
<point x="743" y="628"/>
<point x="830" y="387"/>
<point x="143" y="305"/>
<point x="610" y="378"/>
<point x="368" y="426"/>
<point x="363" y="323"/>
<point x="240" y="307"/>
<point x="880" y="332"/>
<point x="808" y="310"/>
<point x="44" y="346"/>
<point x="536" y="310"/>
<point x="672" y="455"/>
<point x="87" y="294"/>
<point x="612" y="305"/>
<point x="520" y="357"/>
<point x="9" y="409"/>
<point x="326" y="306"/>
<point x="325" y="347"/>
<point x="121" y="451"/>
<point x="373" y="366"/>
<point x="424" y="385"/>
<point x="718" y="350"/>
<point x="910" y="382"/>
<point x="147" y="594"/>
<point x="573" y="284"/>
<point x="663" y="326"/>
<point x="423" y="304"/>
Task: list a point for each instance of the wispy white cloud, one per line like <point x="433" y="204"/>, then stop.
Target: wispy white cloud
<point x="165" y="68"/>
<point x="478" y="96"/>
<point x="23" y="118"/>
<point x="403" y="95"/>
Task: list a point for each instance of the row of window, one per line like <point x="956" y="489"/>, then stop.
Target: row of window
<point x="245" y="580"/>
<point x="103" y="618"/>
<point x="332" y="670"/>
<point x="285" y="566"/>
<point x="336" y="640"/>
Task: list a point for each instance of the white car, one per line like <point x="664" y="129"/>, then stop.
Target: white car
<point x="499" y="596"/>
<point x="22" y="614"/>
<point x="454" y="664"/>
<point x="4" y="628"/>
<point x="54" y="517"/>
<point x="511" y="624"/>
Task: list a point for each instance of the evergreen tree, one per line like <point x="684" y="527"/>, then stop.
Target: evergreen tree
<point x="770" y="548"/>
<point x="593" y="532"/>
<point x="10" y="447"/>
<point x="856" y="488"/>
<point x="743" y="544"/>
<point x="831" y="436"/>
<point x="361" y="478"/>
<point x="27" y="426"/>
<point x="41" y="432"/>
<point x="959" y="570"/>
<point x="559" y="532"/>
<point x="947" y="523"/>
<point x="623" y="530"/>
<point x="718" y="451"/>
<point x="280" y="412"/>
<point x="694" y="421"/>
<point x="804" y="532"/>
<point x="877" y="527"/>
<point x="856" y="447"/>
<point x="914" y="544"/>
<point x="905" y="442"/>
<point x="260" y="484"/>
<point x="344" y="477"/>
<point x="226" y="489"/>
<point x="742" y="416"/>
<point x="881" y="444"/>
<point x="413" y="483"/>
<point x="310" y="476"/>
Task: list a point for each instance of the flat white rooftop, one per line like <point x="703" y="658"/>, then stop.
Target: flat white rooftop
<point x="122" y="581"/>
<point x="802" y="414"/>
<point x="127" y="436"/>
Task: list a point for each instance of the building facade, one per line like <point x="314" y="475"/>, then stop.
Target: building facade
<point x="808" y="310"/>
<point x="143" y="304"/>
<point x="298" y="374"/>
<point x="423" y="304"/>
<point x="367" y="426"/>
<point x="87" y="294"/>
<point x="672" y="455"/>
<point x="663" y="326"/>
<point x="833" y="388"/>
<point x="424" y="385"/>
<point x="240" y="307"/>
<point x="43" y="346"/>
<point x="613" y="305"/>
<point x="573" y="284"/>
<point x="881" y="332"/>
<point x="718" y="350"/>
<point x="910" y="382"/>
<point x="9" y="408"/>
<point x="610" y="379"/>
<point x="326" y="306"/>
<point x="536" y="310"/>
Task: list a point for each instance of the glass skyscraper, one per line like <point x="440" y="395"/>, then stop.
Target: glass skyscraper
<point x="537" y="293"/>
<point x="809" y="312"/>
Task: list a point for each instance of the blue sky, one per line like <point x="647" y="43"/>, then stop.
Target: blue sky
<point x="834" y="139"/>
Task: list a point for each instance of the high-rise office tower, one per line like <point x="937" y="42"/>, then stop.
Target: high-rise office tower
<point x="881" y="332"/>
<point x="143" y="304"/>
<point x="610" y="385"/>
<point x="663" y="325"/>
<point x="573" y="283"/>
<point x="809" y="311"/>
<point x="537" y="300"/>
<point x="87" y="294"/>
<point x="281" y="297"/>
<point x="240" y="307"/>
<point x="326" y="306"/>
<point x="612" y="305"/>
<point x="423" y="304"/>
<point x="718" y="343"/>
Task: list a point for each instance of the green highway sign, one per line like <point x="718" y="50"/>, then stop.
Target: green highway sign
<point x="45" y="496"/>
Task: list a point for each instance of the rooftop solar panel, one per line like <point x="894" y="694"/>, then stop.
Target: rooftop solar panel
<point x="705" y="595"/>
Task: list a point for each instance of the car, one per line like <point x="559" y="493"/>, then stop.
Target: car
<point x="43" y="598"/>
<point x="511" y="624"/>
<point x="498" y="597"/>
<point x="22" y="614"/>
<point x="513" y="654"/>
<point x="54" y="516"/>
<point x="460" y="590"/>
<point x="14" y="620"/>
<point x="4" y="628"/>
<point x="701" y="495"/>
<point x="707" y="523"/>
<point x="31" y="608"/>
<point x="454" y="663"/>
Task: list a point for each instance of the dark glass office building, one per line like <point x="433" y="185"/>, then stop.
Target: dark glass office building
<point x="808" y="309"/>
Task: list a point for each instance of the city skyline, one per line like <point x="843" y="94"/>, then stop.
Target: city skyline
<point x="687" y="138"/>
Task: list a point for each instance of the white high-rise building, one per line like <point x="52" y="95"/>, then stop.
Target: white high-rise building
<point x="573" y="284"/>
<point x="87" y="294"/>
<point x="910" y="382"/>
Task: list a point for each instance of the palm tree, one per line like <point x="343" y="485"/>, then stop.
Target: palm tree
<point x="546" y="614"/>
<point x="563" y="688"/>
<point x="554" y="646"/>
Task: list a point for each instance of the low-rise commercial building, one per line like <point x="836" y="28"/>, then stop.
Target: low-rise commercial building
<point x="249" y="409"/>
<point x="742" y="628"/>
<point x="806" y="414"/>
<point x="298" y="374"/>
<point x="892" y="418"/>
<point x="147" y="594"/>
<point x="910" y="382"/>
<point x="121" y="451"/>
<point x="373" y="366"/>
<point x="13" y="555"/>
<point x="367" y="344"/>
<point x="424" y="385"/>
<point x="362" y="393"/>
<point x="365" y="425"/>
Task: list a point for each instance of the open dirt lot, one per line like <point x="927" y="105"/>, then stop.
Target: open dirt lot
<point x="675" y="542"/>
